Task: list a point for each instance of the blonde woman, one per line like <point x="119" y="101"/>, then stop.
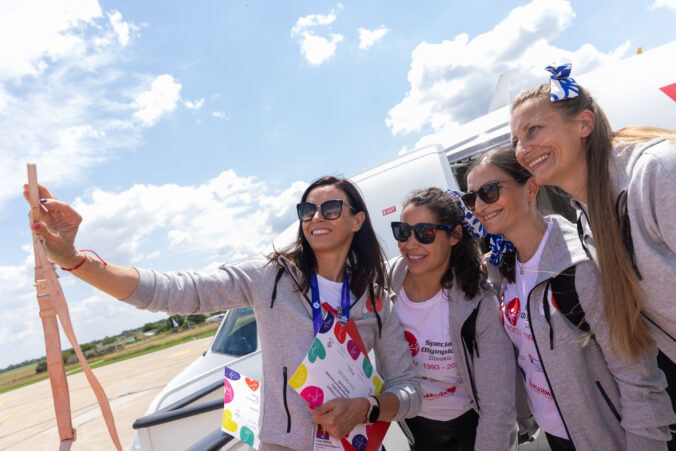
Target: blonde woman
<point x="622" y="187"/>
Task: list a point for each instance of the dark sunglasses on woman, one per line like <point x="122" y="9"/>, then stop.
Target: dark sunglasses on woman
<point x="488" y="192"/>
<point x="331" y="209"/>
<point x="424" y="231"/>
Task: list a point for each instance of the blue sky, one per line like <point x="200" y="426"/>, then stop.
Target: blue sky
<point x="185" y="132"/>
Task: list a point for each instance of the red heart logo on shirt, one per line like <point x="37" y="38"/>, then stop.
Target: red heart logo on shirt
<point x="512" y="310"/>
<point x="412" y="343"/>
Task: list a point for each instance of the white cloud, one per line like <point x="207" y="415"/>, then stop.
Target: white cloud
<point x="160" y="99"/>
<point x="311" y="21"/>
<point x="316" y="48"/>
<point x="224" y="220"/>
<point x="369" y="37"/>
<point x="670" y="4"/>
<point x="64" y="103"/>
<point x="120" y="27"/>
<point x="196" y="105"/>
<point x="221" y="115"/>
<point x="34" y="32"/>
<point x="226" y="217"/>
<point x="452" y="82"/>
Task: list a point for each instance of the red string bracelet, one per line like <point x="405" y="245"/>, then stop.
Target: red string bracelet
<point x="83" y="260"/>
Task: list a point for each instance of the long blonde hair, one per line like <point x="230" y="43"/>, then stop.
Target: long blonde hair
<point x="622" y="294"/>
<point x="637" y="134"/>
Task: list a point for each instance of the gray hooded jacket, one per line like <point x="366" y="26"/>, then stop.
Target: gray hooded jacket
<point x="286" y="333"/>
<point x="647" y="171"/>
<point x="606" y="403"/>
<point x="487" y="365"/>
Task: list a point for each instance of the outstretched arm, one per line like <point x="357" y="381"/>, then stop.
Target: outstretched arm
<point x="58" y="226"/>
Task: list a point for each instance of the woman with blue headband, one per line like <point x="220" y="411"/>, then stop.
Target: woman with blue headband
<point x="452" y="323"/>
<point x="621" y="186"/>
<point x="579" y="393"/>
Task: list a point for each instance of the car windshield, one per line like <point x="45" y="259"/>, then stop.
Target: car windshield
<point x="237" y="336"/>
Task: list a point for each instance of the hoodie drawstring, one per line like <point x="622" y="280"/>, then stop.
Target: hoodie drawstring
<point x="375" y="310"/>
<point x="274" y="289"/>
<point x="545" y="306"/>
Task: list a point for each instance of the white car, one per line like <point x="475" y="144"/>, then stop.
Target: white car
<point x="188" y="412"/>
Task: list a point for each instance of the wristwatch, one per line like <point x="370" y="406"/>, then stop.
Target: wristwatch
<point x="374" y="410"/>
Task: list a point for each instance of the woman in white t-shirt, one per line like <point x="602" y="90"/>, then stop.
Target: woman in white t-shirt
<point x="452" y="323"/>
<point x="579" y="392"/>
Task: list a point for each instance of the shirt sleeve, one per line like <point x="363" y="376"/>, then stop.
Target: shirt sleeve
<point x="191" y="292"/>
<point x="645" y="407"/>
<point x="652" y="200"/>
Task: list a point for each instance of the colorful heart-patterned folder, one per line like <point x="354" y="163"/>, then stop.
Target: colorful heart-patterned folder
<point x="242" y="403"/>
<point x="337" y="365"/>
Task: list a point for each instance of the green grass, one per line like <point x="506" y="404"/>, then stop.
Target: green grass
<point x="26" y="375"/>
<point x="148" y="350"/>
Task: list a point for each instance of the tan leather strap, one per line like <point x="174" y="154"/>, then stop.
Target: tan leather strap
<point x="52" y="304"/>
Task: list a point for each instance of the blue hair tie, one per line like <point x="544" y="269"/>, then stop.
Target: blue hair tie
<point x="562" y="86"/>
<point x="498" y="244"/>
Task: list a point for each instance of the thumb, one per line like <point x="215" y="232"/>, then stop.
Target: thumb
<point x="324" y="408"/>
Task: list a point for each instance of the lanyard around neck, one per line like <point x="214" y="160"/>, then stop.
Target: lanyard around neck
<point x="344" y="311"/>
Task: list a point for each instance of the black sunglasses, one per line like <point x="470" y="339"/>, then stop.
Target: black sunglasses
<point x="424" y="231"/>
<point x="331" y="209"/>
<point x="488" y="192"/>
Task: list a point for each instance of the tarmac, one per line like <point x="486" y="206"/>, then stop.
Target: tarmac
<point x="27" y="420"/>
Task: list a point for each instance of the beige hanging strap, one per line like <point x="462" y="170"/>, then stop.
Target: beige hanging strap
<point x="52" y="304"/>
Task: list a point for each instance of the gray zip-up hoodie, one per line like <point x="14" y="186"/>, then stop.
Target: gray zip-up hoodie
<point x="486" y="364"/>
<point x="286" y="333"/>
<point x="647" y="171"/>
<point x="606" y="403"/>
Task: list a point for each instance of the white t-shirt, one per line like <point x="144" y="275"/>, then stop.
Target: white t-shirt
<point x="517" y="325"/>
<point x="426" y="327"/>
<point x="330" y="292"/>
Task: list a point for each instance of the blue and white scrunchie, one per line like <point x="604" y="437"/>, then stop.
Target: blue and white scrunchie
<point x="562" y="86"/>
<point x="498" y="244"/>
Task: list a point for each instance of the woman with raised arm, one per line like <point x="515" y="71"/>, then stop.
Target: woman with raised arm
<point x="621" y="186"/>
<point x="336" y="248"/>
<point x="451" y="319"/>
<point x="580" y="393"/>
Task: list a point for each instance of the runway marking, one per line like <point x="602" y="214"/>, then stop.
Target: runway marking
<point x="176" y="354"/>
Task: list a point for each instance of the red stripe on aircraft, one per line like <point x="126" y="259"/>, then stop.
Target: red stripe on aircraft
<point x="670" y="90"/>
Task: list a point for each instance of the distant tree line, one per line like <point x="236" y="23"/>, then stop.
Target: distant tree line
<point x="172" y="324"/>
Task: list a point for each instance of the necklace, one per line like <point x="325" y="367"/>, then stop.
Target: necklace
<point x="520" y="265"/>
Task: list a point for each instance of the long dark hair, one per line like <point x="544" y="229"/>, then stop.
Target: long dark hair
<point x="504" y="158"/>
<point x="365" y="260"/>
<point x="622" y="294"/>
<point x="465" y="263"/>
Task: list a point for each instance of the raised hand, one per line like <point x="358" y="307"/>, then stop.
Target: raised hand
<point x="58" y="227"/>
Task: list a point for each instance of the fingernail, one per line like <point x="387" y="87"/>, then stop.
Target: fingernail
<point x="35" y="226"/>
<point x="44" y="201"/>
